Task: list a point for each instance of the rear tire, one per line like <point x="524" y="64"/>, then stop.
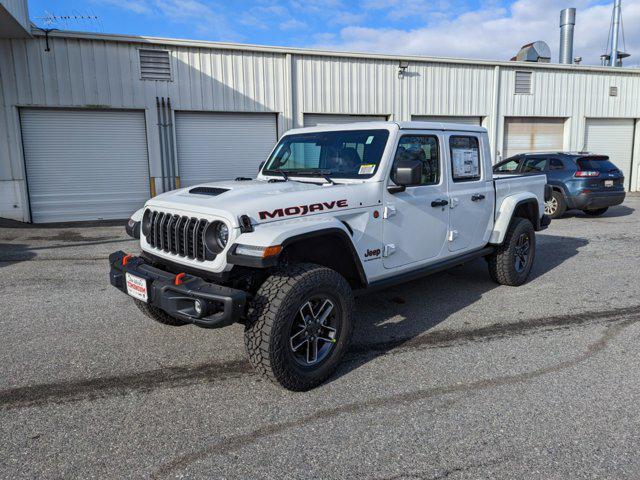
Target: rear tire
<point x="299" y="325"/>
<point x="160" y="316"/>
<point x="596" y="212"/>
<point x="511" y="263"/>
<point x="556" y="206"/>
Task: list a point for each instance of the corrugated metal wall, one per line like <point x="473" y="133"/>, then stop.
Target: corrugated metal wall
<point x="95" y="73"/>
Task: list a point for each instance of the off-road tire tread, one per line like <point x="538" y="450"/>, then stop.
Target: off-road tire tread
<point x="273" y="297"/>
<point x="160" y="316"/>
<point x="501" y="269"/>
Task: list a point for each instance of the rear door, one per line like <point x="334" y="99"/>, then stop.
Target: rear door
<point x="416" y="221"/>
<point x="471" y="191"/>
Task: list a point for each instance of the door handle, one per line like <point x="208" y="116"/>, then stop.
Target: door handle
<point x="477" y="197"/>
<point x="439" y="203"/>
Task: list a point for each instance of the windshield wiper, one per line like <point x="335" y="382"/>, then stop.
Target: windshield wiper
<point x="283" y="173"/>
<point x="322" y="173"/>
<point x="285" y="176"/>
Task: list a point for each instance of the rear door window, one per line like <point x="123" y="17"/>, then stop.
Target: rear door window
<point x="534" y="165"/>
<point x="465" y="158"/>
<point x="556" y="164"/>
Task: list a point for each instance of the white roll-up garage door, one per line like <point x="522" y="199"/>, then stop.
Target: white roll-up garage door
<point x="222" y="146"/>
<point x="612" y="137"/>
<point x="448" y="119"/>
<point x="84" y="164"/>
<point x="526" y="134"/>
<point x="314" y="119"/>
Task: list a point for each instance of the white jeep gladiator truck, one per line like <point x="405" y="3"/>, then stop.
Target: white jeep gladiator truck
<point x="334" y="210"/>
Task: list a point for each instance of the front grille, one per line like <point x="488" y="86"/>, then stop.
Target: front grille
<point x="180" y="235"/>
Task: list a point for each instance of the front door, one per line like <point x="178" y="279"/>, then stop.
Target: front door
<point x="471" y="191"/>
<point x="416" y="220"/>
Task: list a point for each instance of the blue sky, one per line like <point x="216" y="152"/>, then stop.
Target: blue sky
<point x="491" y="29"/>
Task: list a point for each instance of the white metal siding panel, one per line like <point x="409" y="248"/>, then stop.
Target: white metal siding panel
<point x="447" y="90"/>
<point x="85" y="164"/>
<point x="222" y="146"/>
<point x="532" y="135"/>
<point x="311" y="119"/>
<point x="612" y="137"/>
<point x="346" y="86"/>
<point x="448" y="119"/>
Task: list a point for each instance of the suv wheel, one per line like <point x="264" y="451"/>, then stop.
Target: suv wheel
<point x="556" y="205"/>
<point x="160" y="316"/>
<point x="299" y="325"/>
<point x="596" y="212"/>
<point x="511" y="263"/>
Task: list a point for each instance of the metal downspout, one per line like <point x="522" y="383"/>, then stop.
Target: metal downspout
<point x="166" y="146"/>
<point x="172" y="148"/>
<point x="162" y="153"/>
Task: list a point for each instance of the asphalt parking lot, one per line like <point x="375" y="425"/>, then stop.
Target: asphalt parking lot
<point x="451" y="376"/>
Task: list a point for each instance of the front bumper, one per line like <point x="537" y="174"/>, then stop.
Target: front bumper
<point x="223" y="306"/>
<point x="593" y="200"/>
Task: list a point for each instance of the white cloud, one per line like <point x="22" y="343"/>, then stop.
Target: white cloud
<point x="292" y="24"/>
<point x="493" y="32"/>
<point x="135" y="6"/>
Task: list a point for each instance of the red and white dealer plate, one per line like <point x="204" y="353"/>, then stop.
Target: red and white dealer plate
<point x="137" y="287"/>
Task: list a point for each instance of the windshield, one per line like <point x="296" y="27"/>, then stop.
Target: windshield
<point x="339" y="154"/>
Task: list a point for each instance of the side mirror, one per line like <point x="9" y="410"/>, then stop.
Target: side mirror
<point x="407" y="173"/>
<point x="261" y="165"/>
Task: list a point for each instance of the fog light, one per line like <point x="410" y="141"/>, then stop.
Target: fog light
<point x="199" y="307"/>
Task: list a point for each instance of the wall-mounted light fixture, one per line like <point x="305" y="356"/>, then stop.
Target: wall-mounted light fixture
<point x="402" y="67"/>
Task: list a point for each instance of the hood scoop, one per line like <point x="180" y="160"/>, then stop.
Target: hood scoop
<point x="211" y="191"/>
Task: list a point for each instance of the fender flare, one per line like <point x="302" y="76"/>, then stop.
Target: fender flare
<point x="260" y="237"/>
<point x="505" y="214"/>
<point x="343" y="235"/>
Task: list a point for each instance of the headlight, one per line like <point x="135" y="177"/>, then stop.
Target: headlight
<point x="216" y="236"/>
<point x="222" y="234"/>
<point x="146" y="222"/>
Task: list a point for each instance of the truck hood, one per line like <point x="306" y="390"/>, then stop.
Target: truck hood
<point x="265" y="201"/>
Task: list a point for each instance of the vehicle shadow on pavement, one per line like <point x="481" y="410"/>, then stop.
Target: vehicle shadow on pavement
<point x="11" y="253"/>
<point x="613" y="212"/>
<point x="400" y="315"/>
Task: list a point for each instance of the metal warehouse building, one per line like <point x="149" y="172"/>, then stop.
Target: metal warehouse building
<point x="91" y="125"/>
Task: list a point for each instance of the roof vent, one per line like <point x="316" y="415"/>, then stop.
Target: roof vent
<point x="523" y="82"/>
<point x="534" y="52"/>
<point x="155" y="65"/>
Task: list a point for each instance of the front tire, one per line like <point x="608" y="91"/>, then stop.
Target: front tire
<point x="299" y="325"/>
<point x="511" y="263"/>
<point x="160" y="316"/>
<point x="556" y="206"/>
<point x="596" y="212"/>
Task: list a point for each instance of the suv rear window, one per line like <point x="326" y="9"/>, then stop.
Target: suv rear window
<point x="599" y="164"/>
